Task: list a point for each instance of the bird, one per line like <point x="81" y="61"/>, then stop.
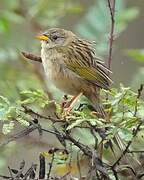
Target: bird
<point x="71" y="64"/>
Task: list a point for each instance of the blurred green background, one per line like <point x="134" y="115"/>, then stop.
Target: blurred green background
<point x="22" y="20"/>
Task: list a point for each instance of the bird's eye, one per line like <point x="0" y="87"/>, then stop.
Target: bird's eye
<point x="55" y="37"/>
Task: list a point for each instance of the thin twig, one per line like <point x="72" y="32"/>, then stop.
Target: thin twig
<point x="89" y="152"/>
<point x="32" y="57"/>
<point x="85" y="149"/>
<point x="136" y="151"/>
<point x="137" y="98"/>
<point x="10" y="172"/>
<point x="128" y="145"/>
<point x="70" y="158"/>
<point x="21" y="134"/>
<point x="30" y="173"/>
<point x="65" y="176"/>
<point x="50" y="165"/>
<point x="19" y="174"/>
<point x="51" y="132"/>
<point x="111" y="5"/>
<point x="5" y="177"/>
<point x="42" y="167"/>
<point x="31" y="112"/>
<point x="78" y="165"/>
<point x="115" y="174"/>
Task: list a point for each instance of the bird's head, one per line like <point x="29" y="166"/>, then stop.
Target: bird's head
<point x="56" y="37"/>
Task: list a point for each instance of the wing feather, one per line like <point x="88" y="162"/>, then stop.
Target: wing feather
<point x="83" y="61"/>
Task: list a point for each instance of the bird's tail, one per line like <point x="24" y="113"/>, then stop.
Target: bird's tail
<point x="96" y="104"/>
<point x="99" y="110"/>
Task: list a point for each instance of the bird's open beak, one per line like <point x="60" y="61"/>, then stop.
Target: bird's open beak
<point x="42" y="37"/>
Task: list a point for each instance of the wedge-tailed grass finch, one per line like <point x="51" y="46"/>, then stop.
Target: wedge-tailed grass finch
<point x="72" y="65"/>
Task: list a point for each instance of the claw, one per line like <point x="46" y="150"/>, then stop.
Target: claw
<point x="68" y="106"/>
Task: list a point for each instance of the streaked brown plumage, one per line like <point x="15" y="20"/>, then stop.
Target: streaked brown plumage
<point x="72" y="66"/>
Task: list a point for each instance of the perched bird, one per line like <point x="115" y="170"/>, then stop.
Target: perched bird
<point x="72" y="65"/>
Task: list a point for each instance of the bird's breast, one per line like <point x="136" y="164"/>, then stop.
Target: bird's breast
<point x="56" y="72"/>
<point x="50" y="63"/>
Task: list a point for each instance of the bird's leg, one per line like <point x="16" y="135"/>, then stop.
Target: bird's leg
<point x="69" y="105"/>
<point x="64" y="101"/>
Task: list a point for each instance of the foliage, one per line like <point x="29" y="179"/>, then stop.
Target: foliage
<point x="22" y="96"/>
<point x="10" y="113"/>
<point x="121" y="106"/>
<point x="124" y="108"/>
<point x="137" y="54"/>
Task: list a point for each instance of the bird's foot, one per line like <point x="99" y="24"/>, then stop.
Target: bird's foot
<point x="64" y="102"/>
<point x="65" y="106"/>
<point x="68" y="105"/>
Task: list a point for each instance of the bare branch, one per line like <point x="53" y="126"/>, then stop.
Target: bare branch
<point x="111" y="5"/>
<point x="31" y="112"/>
<point x="18" y="135"/>
<point x="50" y="165"/>
<point x="5" y="177"/>
<point x="42" y="167"/>
<point x="31" y="172"/>
<point x="78" y="165"/>
<point x="32" y="57"/>
<point x="137" y="98"/>
<point x="128" y="144"/>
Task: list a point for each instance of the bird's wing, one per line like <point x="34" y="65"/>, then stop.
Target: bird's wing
<point x="88" y="67"/>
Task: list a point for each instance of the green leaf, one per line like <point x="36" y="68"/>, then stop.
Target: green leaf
<point x="37" y="97"/>
<point x="125" y="134"/>
<point x="4" y="106"/>
<point x="75" y="9"/>
<point x="12" y="17"/>
<point x="76" y="123"/>
<point x="7" y="127"/>
<point x="137" y="54"/>
<point x="4" y="102"/>
<point x="22" y="121"/>
<point x="4" y="25"/>
<point x="126" y="16"/>
<point x="10" y="113"/>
